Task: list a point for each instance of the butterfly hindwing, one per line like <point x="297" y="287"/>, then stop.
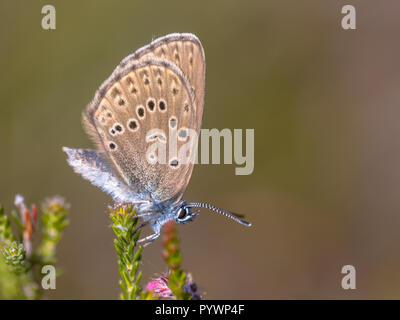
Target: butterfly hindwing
<point x="92" y="166"/>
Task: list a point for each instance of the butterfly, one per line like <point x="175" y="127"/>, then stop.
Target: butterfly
<point x="154" y="94"/>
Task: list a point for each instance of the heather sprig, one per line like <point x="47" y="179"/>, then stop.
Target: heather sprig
<point x="54" y="220"/>
<point x="176" y="284"/>
<point x="11" y="285"/>
<point x="15" y="257"/>
<point x="124" y="222"/>
<point x="6" y="236"/>
<point x="173" y="257"/>
<point x="18" y="258"/>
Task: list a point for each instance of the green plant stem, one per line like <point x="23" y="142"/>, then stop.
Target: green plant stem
<point x="173" y="257"/>
<point x="129" y="256"/>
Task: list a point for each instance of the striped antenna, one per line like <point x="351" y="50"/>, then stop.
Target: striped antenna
<point x="234" y="216"/>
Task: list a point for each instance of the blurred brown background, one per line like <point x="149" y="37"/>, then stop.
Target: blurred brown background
<point x="324" y="103"/>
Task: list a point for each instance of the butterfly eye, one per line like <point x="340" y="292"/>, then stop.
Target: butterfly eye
<point x="182" y="213"/>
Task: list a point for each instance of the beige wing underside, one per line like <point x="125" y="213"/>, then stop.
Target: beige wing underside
<point x="186" y="51"/>
<point x="147" y="91"/>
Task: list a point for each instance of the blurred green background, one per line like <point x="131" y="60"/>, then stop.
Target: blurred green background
<point x="324" y="103"/>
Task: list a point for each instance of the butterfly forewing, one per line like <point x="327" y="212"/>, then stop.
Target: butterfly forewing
<point x="186" y="51"/>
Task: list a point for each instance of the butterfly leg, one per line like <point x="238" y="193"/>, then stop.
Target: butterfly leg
<point x="141" y="215"/>
<point x="149" y="239"/>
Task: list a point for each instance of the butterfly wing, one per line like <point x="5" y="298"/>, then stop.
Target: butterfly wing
<point x="186" y="51"/>
<point x="92" y="166"/>
<point x="139" y="97"/>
